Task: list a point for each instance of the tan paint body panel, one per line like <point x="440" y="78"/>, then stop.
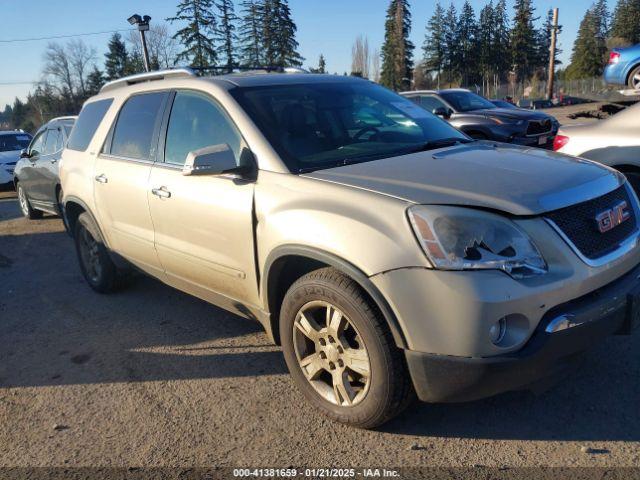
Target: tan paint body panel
<point x="204" y="234"/>
<point x="202" y="239"/>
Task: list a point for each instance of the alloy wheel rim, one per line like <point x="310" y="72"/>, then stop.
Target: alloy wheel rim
<point x="90" y="256"/>
<point x="22" y="199"/>
<point x="331" y="354"/>
<point x="636" y="80"/>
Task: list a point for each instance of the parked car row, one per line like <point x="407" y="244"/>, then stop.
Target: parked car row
<point x="484" y="120"/>
<point x="12" y="142"/>
<point x="36" y="177"/>
<point x="389" y="253"/>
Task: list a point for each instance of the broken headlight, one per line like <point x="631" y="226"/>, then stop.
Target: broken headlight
<point x="455" y="238"/>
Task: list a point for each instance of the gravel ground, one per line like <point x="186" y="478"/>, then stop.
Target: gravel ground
<point x="153" y="377"/>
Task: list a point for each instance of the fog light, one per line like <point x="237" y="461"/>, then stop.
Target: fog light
<point x="498" y="331"/>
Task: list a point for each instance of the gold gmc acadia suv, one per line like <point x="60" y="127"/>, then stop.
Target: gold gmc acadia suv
<point x="388" y="253"/>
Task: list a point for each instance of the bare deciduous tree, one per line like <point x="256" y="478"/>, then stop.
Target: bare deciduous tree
<point x="67" y="67"/>
<point x="162" y="46"/>
<point x="58" y="67"/>
<point x="81" y="59"/>
<point x="375" y="66"/>
<point x="360" y="57"/>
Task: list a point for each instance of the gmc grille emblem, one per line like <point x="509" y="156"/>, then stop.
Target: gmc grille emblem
<point x="613" y="217"/>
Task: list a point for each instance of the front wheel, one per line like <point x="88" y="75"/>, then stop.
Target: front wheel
<point x="25" y="207"/>
<point x="340" y="352"/>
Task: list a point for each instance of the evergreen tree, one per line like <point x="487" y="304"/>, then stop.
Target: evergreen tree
<point x="397" y="50"/>
<point x="95" y="81"/>
<point x="626" y="21"/>
<point x="587" y="58"/>
<point x="322" y="64"/>
<point x="198" y="36"/>
<point x="251" y="28"/>
<point x="524" y="54"/>
<point x="117" y="63"/>
<point x="601" y="11"/>
<point x="281" y="43"/>
<point x="466" y="58"/>
<point x="226" y="33"/>
<point x="484" y="40"/>
<point x="451" y="43"/>
<point x="501" y="42"/>
<point x="434" y="43"/>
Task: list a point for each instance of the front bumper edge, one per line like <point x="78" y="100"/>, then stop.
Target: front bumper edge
<point x="546" y="356"/>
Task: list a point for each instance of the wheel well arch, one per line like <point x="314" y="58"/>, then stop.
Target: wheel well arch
<point x="73" y="208"/>
<point x="631" y="69"/>
<point x="288" y="263"/>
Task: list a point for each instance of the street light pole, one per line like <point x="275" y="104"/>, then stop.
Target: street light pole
<point x="143" y="26"/>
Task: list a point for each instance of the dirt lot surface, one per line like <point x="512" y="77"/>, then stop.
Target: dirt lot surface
<point x="151" y="376"/>
<point x="563" y="113"/>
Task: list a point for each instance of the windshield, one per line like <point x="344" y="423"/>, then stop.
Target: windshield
<point x="323" y="125"/>
<point x="466" y="101"/>
<point x="14" y="141"/>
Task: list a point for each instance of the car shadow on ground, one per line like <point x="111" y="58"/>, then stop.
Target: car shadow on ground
<point x="55" y="331"/>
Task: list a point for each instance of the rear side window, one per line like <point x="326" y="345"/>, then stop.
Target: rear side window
<point x="87" y="124"/>
<point x="134" y="134"/>
<point x="51" y="143"/>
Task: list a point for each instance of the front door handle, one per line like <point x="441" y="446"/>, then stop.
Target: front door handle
<point x="161" y="192"/>
<point x="102" y="179"/>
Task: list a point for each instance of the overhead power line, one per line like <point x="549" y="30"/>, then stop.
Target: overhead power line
<point x="54" y="37"/>
<point x="17" y="83"/>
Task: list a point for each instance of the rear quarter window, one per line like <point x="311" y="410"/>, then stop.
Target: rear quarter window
<point x="87" y="124"/>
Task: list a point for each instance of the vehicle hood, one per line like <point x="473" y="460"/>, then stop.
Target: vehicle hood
<point x="501" y="177"/>
<point x="9" y="157"/>
<point x="509" y="114"/>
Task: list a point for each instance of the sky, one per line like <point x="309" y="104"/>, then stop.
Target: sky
<point x="324" y="26"/>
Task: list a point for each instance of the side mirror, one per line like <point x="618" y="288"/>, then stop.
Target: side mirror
<point x="442" y="112"/>
<point x="24" y="154"/>
<point x="211" y="160"/>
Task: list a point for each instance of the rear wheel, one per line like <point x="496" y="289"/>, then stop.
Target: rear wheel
<point x="340" y="352"/>
<point x="25" y="207"/>
<point x="95" y="263"/>
<point x="634" y="79"/>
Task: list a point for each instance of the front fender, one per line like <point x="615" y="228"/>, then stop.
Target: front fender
<point x="367" y="229"/>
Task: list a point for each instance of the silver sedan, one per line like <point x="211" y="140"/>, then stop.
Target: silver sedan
<point x="614" y="142"/>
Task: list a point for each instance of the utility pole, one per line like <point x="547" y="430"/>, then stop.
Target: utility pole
<point x="552" y="55"/>
<point x="143" y="26"/>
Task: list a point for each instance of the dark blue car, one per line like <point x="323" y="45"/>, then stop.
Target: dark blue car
<point x="624" y="67"/>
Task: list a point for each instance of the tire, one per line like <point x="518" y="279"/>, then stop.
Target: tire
<point x="379" y="386"/>
<point x="96" y="264"/>
<point x="25" y="206"/>
<point x="634" y="78"/>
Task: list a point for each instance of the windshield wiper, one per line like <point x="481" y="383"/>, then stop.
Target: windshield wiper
<point x="440" y="143"/>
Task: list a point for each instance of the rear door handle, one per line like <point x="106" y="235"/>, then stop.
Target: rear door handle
<point x="102" y="179"/>
<point x="161" y="192"/>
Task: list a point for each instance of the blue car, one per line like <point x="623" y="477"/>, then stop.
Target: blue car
<point x="624" y="67"/>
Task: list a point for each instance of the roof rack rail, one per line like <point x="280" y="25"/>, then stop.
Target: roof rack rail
<point x="226" y="69"/>
<point x="147" y="77"/>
